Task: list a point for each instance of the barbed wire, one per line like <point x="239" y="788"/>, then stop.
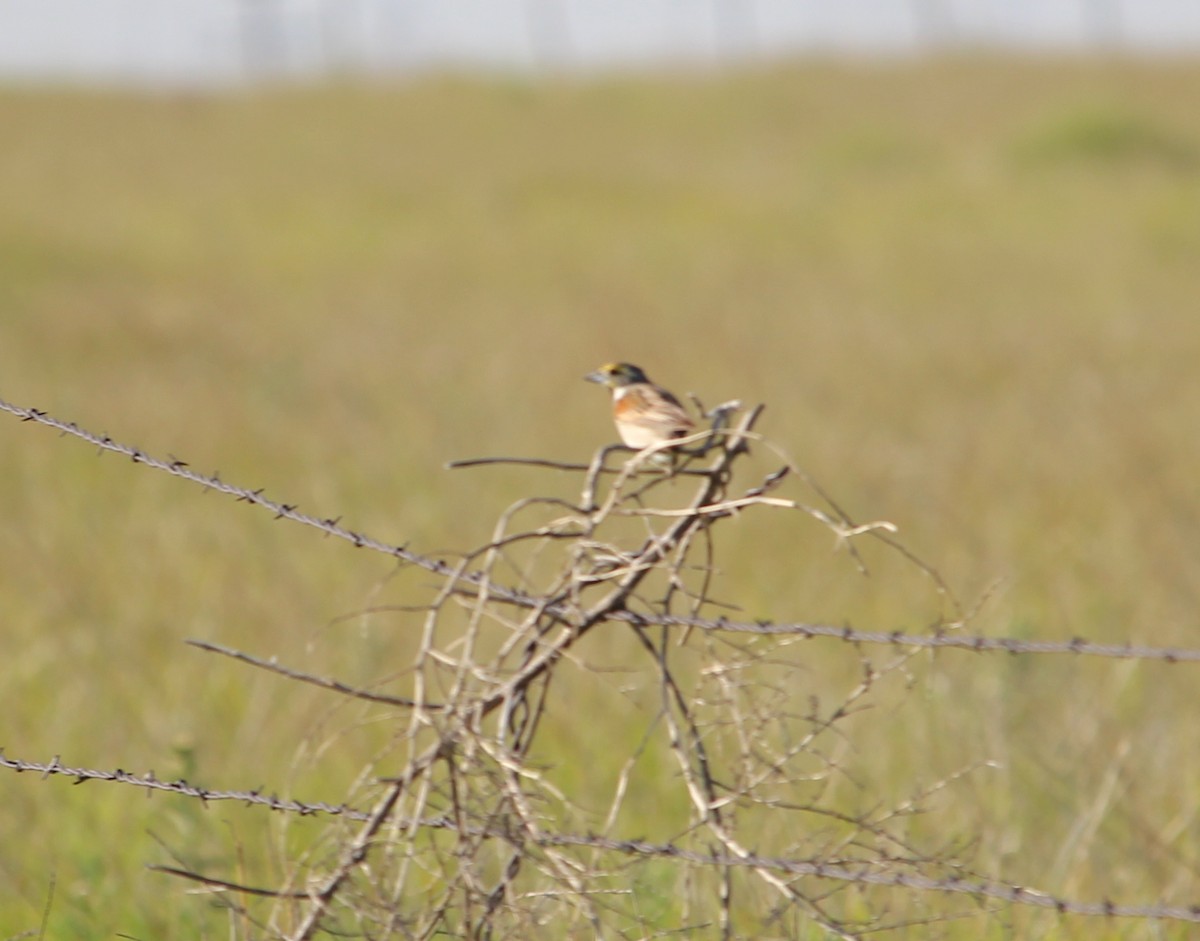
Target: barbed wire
<point x="179" y="786"/>
<point x="997" y="890"/>
<point x="940" y="638"/>
<point x="1001" y="891"/>
<point x="181" y="468"/>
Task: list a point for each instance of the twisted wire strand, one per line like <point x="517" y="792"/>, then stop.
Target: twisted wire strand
<point x="1001" y="891"/>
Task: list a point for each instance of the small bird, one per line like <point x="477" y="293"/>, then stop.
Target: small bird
<point x="645" y="414"/>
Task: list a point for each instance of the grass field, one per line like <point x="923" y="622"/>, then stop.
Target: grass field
<point x="967" y="291"/>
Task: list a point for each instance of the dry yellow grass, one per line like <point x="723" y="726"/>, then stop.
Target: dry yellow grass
<point x="966" y="290"/>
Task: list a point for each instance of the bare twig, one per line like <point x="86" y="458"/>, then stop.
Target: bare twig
<point x="324" y="682"/>
<point x="221" y="885"/>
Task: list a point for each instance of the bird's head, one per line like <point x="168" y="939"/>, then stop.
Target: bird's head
<point x="616" y="375"/>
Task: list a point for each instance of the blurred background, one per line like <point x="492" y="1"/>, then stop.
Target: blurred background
<point x="325" y="247"/>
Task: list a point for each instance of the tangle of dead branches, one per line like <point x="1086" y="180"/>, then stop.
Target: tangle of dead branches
<point x="498" y="811"/>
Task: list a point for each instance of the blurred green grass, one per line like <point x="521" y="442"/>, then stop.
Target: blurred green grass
<point x="967" y="291"/>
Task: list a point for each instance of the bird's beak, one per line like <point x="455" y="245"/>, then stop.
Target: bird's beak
<point x="596" y="377"/>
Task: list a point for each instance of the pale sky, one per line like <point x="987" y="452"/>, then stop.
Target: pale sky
<point x="202" y="40"/>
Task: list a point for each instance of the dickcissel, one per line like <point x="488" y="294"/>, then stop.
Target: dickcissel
<point x="645" y="414"/>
